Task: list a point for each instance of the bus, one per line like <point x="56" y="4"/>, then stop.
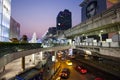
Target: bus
<point x="30" y="74"/>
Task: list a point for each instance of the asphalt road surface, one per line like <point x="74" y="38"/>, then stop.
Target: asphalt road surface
<point x="75" y="75"/>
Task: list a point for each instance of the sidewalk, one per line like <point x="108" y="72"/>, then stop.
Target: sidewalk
<point x="14" y="68"/>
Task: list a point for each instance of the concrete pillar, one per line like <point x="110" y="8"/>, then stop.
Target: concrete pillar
<point x="119" y="38"/>
<point x="23" y="63"/>
<point x="41" y="55"/>
<point x="100" y="37"/>
<point x="118" y="17"/>
<point x="55" y="61"/>
<point x="86" y="40"/>
<point x="83" y="37"/>
<point x="33" y="58"/>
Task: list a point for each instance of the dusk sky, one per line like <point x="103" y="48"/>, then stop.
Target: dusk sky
<point x="38" y="15"/>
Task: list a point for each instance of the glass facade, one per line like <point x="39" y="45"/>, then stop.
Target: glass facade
<point x="5" y="13"/>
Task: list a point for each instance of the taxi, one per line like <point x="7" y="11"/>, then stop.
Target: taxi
<point x="68" y="62"/>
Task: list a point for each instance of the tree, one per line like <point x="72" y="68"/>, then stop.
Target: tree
<point x="24" y="39"/>
<point x="14" y="40"/>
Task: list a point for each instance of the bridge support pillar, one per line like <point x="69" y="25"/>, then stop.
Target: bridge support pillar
<point x="119" y="38"/>
<point x="33" y="58"/>
<point x="41" y="55"/>
<point x="23" y="63"/>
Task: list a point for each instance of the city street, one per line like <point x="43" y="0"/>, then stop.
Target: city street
<point x="74" y="75"/>
<point x="60" y="40"/>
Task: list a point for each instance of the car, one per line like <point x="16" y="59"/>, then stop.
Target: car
<point x="72" y="56"/>
<point x="58" y="78"/>
<point x="65" y="73"/>
<point x="98" y="78"/>
<point x="68" y="62"/>
<point x="81" y="69"/>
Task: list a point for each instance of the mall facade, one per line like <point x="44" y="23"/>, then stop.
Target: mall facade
<point x="5" y="13"/>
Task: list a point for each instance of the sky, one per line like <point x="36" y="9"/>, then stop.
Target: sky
<point x="38" y="15"/>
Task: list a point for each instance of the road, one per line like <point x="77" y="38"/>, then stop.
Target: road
<point x="74" y="75"/>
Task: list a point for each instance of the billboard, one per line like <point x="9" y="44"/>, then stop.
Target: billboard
<point x="110" y="3"/>
<point x="90" y="8"/>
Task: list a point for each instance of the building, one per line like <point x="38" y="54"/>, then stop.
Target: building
<point x="91" y="8"/>
<point x="14" y="29"/>
<point x="52" y="30"/>
<point x="64" y="20"/>
<point x="5" y="12"/>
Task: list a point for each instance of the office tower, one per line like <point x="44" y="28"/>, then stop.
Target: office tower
<point x="52" y="30"/>
<point x="14" y="29"/>
<point x="64" y="20"/>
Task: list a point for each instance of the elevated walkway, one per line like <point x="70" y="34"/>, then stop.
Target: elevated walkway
<point x="9" y="57"/>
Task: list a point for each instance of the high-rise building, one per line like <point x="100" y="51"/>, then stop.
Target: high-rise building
<point x="91" y="8"/>
<point x="5" y="12"/>
<point x="52" y="30"/>
<point x="14" y="29"/>
<point x="64" y="20"/>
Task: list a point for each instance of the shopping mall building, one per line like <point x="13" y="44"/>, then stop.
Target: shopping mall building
<point x="5" y="13"/>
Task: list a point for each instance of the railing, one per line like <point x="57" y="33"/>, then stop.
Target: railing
<point x="24" y="50"/>
<point x="109" y="68"/>
<point x="7" y="48"/>
<point x="99" y="44"/>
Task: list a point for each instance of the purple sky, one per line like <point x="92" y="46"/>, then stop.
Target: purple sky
<point x="38" y="15"/>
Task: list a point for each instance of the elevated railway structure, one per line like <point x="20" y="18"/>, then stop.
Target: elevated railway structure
<point x="100" y="33"/>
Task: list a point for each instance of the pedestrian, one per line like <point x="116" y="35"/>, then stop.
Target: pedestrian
<point x="48" y="69"/>
<point x="3" y="68"/>
<point x="3" y="79"/>
<point x="30" y="60"/>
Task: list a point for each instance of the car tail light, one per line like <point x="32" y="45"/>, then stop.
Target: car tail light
<point x="99" y="79"/>
<point x="83" y="70"/>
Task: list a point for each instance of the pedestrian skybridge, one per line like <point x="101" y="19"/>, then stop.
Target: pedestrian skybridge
<point x="12" y="51"/>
